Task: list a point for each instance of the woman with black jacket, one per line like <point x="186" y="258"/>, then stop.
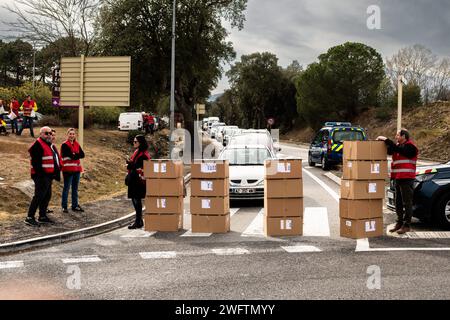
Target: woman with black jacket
<point x="135" y="178"/>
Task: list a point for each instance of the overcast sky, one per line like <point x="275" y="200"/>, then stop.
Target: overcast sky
<point x="303" y="29"/>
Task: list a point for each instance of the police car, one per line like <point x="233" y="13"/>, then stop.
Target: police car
<point x="431" y="200"/>
<point x="327" y="146"/>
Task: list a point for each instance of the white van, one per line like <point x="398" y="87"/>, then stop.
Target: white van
<point x="131" y="121"/>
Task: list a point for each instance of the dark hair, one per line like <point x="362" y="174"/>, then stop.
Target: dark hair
<point x="404" y="133"/>
<point x="143" y="145"/>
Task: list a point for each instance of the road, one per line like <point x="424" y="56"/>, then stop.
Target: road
<point x="242" y="264"/>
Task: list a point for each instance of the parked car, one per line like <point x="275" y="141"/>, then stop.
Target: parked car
<point x="246" y="170"/>
<point x="327" y="146"/>
<point x="220" y="132"/>
<point x="38" y="117"/>
<point x="130" y="121"/>
<point x="212" y="120"/>
<point x="431" y="200"/>
<point x="228" y="133"/>
<point x="214" y="127"/>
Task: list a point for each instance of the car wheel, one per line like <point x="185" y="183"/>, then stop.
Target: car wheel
<point x="443" y="211"/>
<point x="325" y="164"/>
<point x="310" y="162"/>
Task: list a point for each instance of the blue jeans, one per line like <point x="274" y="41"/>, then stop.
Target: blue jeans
<point x="70" y="179"/>
<point x="14" y="126"/>
<point x="27" y="121"/>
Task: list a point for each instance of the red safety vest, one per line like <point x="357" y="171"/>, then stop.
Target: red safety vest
<point x="69" y="165"/>
<point x="403" y="167"/>
<point x="28" y="106"/>
<point x="134" y="158"/>
<point x="48" y="164"/>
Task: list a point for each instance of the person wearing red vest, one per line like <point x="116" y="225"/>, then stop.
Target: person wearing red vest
<point x="44" y="166"/>
<point x="403" y="172"/>
<point x="135" y="178"/>
<point x="28" y="106"/>
<point x="71" y="154"/>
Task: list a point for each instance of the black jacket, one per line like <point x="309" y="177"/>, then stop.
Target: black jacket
<point x="136" y="186"/>
<point x="36" y="153"/>
<point x="67" y="153"/>
<point x="406" y="150"/>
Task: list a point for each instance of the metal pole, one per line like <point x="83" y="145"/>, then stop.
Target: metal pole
<point x="172" y="82"/>
<point x="400" y="98"/>
<point x="34" y="67"/>
<point x="81" y="107"/>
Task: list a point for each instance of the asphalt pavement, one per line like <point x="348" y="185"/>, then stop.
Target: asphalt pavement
<point x="243" y="264"/>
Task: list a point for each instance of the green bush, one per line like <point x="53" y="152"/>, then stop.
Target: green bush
<point x="50" y="120"/>
<point x="100" y="117"/>
<point x="42" y="95"/>
<point x="383" y="113"/>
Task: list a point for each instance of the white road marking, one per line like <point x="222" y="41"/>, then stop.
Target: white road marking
<point x="255" y="228"/>
<point x="82" y="259"/>
<point x="315" y="222"/>
<point x="362" y="245"/>
<point x="333" y="177"/>
<point x="230" y="251"/>
<point x="428" y="235"/>
<point x="233" y="211"/>
<point x="138" y="234"/>
<point x="158" y="255"/>
<point x="333" y="194"/>
<point x="299" y="249"/>
<point x="11" y="264"/>
<point x="189" y="233"/>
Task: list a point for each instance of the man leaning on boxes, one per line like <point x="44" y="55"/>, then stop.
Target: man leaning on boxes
<point x="403" y="172"/>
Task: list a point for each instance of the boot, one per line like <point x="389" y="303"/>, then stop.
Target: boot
<point x="404" y="229"/>
<point x="397" y="227"/>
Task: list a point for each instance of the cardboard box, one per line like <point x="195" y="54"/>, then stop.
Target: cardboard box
<point x="365" y="170"/>
<point x="292" y="207"/>
<point x="166" y="205"/>
<point x="362" y="190"/>
<point x="163" y="222"/>
<point x="360" y="209"/>
<point x="210" y="187"/>
<point x="163" y="169"/>
<point x="292" y="226"/>
<point x="210" y="169"/>
<point x="283" y="169"/>
<point x="210" y="224"/>
<point x="286" y="188"/>
<point x="210" y="206"/>
<point x="165" y="187"/>
<point x="365" y="150"/>
<point x="361" y="229"/>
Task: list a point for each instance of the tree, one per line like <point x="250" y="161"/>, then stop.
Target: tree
<point x="342" y="83"/>
<point x="142" y="29"/>
<point x="50" y="20"/>
<point x="16" y="58"/>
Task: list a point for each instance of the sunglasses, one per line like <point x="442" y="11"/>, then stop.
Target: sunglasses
<point x="48" y="133"/>
<point x="135" y="141"/>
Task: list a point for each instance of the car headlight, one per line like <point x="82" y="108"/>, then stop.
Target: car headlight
<point x="425" y="177"/>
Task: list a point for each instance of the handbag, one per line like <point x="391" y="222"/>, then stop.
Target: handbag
<point x="12" y="116"/>
<point x="33" y="114"/>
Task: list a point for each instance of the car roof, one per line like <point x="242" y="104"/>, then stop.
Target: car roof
<point x="246" y="146"/>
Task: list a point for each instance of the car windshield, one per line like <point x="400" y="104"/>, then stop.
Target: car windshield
<point x="245" y="156"/>
<point x="253" y="138"/>
<point x="340" y="136"/>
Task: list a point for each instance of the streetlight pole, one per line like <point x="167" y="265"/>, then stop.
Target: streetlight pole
<point x="172" y="82"/>
<point x="401" y="82"/>
<point x="34" y="66"/>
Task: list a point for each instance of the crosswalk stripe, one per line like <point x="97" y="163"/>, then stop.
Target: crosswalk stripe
<point x="11" y="264"/>
<point x="299" y="249"/>
<point x="138" y="234"/>
<point x="230" y="251"/>
<point x="315" y="222"/>
<point x="255" y="228"/>
<point x="82" y="259"/>
<point x="158" y="255"/>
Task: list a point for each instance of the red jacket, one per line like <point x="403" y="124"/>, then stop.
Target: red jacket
<point x="27" y="107"/>
<point x="15" y="107"/>
<point x="68" y="164"/>
<point x="403" y="167"/>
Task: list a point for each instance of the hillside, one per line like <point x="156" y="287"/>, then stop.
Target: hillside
<point x="429" y="126"/>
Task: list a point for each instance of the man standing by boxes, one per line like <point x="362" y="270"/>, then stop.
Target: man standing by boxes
<point x="403" y="172"/>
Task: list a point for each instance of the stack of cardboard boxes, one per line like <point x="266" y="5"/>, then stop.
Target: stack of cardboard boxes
<point x="210" y="200"/>
<point x="365" y="170"/>
<point x="164" y="206"/>
<point x="283" y="198"/>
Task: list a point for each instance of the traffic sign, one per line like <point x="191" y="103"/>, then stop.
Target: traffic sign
<point x="200" y="109"/>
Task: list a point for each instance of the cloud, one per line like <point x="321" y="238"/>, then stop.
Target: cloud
<point x="303" y="29"/>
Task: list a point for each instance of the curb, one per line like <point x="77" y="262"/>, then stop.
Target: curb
<point x="60" y="238"/>
<point x="333" y="178"/>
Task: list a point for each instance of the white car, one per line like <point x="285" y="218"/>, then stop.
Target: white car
<point x="214" y="127"/>
<point x="246" y="170"/>
<point x="221" y="130"/>
<point x="252" y="136"/>
<point x="130" y="121"/>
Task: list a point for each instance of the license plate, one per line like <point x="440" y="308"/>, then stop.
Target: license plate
<point x="390" y="195"/>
